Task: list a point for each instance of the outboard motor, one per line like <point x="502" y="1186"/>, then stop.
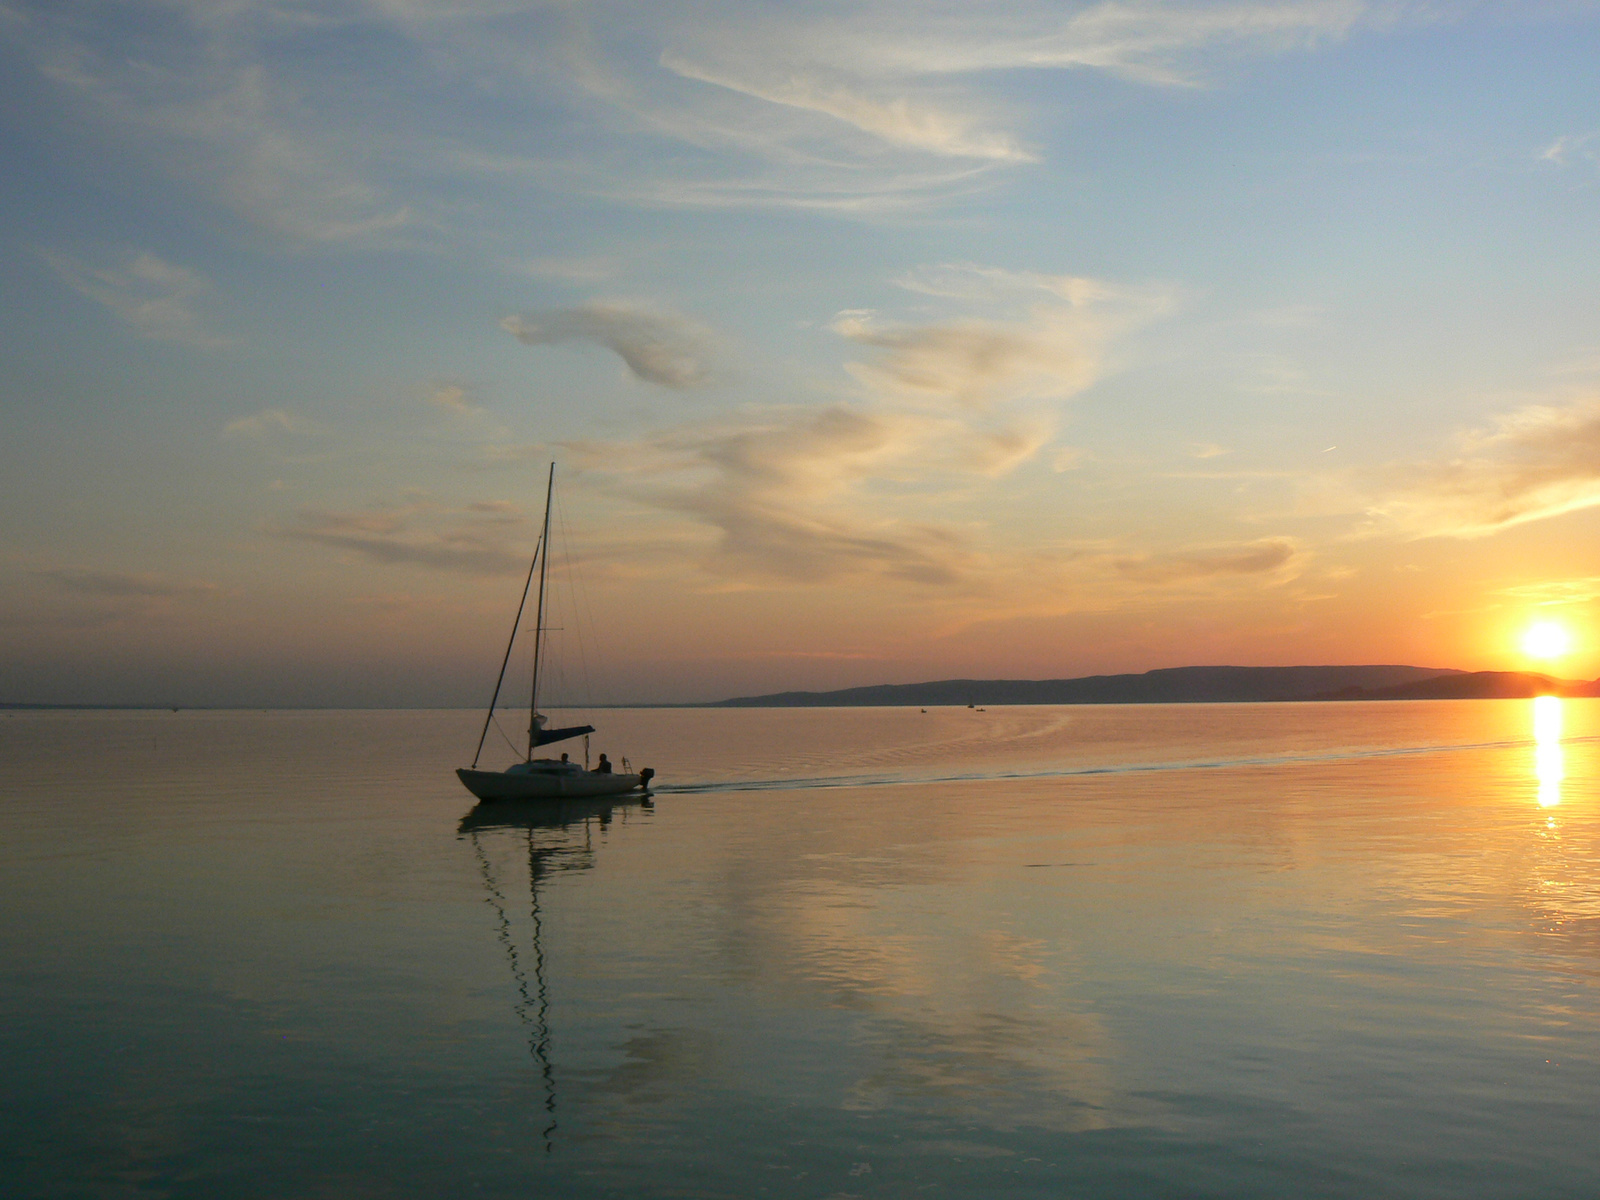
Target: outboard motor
<point x="645" y="776"/>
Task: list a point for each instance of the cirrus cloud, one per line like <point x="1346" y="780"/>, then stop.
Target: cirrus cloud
<point x="92" y="581"/>
<point x="156" y="297"/>
<point x="970" y="362"/>
<point x="782" y="488"/>
<point x="912" y="123"/>
<point x="1530" y="464"/>
<point x="657" y="345"/>
<point x="1277" y="556"/>
<point x="417" y="535"/>
<point x="267" y="421"/>
<point x="878" y="108"/>
<point x="454" y="398"/>
<point x="813" y="493"/>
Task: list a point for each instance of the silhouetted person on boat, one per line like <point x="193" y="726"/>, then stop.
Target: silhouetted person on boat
<point x="563" y="757"/>
<point x="603" y="767"/>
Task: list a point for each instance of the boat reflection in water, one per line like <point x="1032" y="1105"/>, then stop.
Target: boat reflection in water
<point x="533" y="815"/>
<point x="551" y="837"/>
<point x="1549" y="764"/>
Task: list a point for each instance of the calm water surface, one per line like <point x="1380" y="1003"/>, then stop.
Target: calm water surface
<point x="1236" y="950"/>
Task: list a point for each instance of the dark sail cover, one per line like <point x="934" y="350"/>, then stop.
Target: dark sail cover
<point x="544" y="737"/>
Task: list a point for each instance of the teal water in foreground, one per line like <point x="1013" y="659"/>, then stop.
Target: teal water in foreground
<point x="1340" y="950"/>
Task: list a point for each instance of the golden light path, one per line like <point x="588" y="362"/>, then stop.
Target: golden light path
<point x="1549" y="766"/>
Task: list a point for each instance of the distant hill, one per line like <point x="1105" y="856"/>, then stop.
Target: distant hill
<point x="1172" y="685"/>
<point x="1473" y="685"/>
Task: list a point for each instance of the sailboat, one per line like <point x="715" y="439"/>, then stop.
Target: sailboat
<point x="543" y="778"/>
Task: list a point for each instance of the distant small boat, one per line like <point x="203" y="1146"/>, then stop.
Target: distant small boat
<point x="543" y="778"/>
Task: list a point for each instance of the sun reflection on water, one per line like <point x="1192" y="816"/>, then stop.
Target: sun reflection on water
<point x="1549" y="766"/>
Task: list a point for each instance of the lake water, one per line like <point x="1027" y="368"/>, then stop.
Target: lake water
<point x="1343" y="950"/>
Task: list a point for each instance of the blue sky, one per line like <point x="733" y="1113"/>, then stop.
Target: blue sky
<point x="875" y="343"/>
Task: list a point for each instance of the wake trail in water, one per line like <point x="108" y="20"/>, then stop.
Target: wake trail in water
<point x="803" y="783"/>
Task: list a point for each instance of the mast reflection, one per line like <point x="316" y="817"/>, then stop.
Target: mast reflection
<point x="554" y="837"/>
<point x="1549" y="763"/>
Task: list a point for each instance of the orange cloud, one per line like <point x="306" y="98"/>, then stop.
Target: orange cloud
<point x="1531" y="464"/>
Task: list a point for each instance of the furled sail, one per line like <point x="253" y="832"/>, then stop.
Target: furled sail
<point x="543" y="737"/>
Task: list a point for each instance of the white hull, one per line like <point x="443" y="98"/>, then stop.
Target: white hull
<point x="538" y="785"/>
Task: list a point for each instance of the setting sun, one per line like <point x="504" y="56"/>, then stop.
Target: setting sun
<point x="1546" y="640"/>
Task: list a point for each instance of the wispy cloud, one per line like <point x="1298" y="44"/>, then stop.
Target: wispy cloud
<point x="882" y="107"/>
<point x="1158" y="43"/>
<point x="1267" y="556"/>
<point x="1045" y="341"/>
<point x="657" y="345"/>
<point x="268" y="421"/>
<point x="90" y="581"/>
<point x="781" y="489"/>
<point x="897" y="119"/>
<point x="971" y="363"/>
<point x="503" y="510"/>
<point x="101" y="598"/>
<point x="452" y="397"/>
<point x="814" y="493"/>
<point x="593" y="269"/>
<point x="883" y="87"/>
<point x="1552" y="592"/>
<point x="1175" y="43"/>
<point x="158" y="298"/>
<point x="280" y="165"/>
<point x="1570" y="148"/>
<point x="210" y="90"/>
<point x="416" y="535"/>
<point x="1536" y="462"/>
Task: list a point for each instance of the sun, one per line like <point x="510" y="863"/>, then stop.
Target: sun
<point x="1546" y="640"/>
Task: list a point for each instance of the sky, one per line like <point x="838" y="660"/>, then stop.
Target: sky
<point x="873" y="343"/>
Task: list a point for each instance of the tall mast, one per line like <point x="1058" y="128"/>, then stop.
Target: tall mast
<point x="538" y="620"/>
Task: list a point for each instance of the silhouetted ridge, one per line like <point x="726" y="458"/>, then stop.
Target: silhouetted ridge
<point x="1471" y="685"/>
<point x="1170" y="685"/>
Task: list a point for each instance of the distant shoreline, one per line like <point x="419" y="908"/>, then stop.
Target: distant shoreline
<point x="1171" y="685"/>
<point x="1195" y="685"/>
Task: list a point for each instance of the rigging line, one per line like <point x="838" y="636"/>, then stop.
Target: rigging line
<point x="506" y="737"/>
<point x="575" y="588"/>
<point x="577" y="689"/>
<point x="538" y="555"/>
<point x="543" y="991"/>
<point x="600" y="671"/>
